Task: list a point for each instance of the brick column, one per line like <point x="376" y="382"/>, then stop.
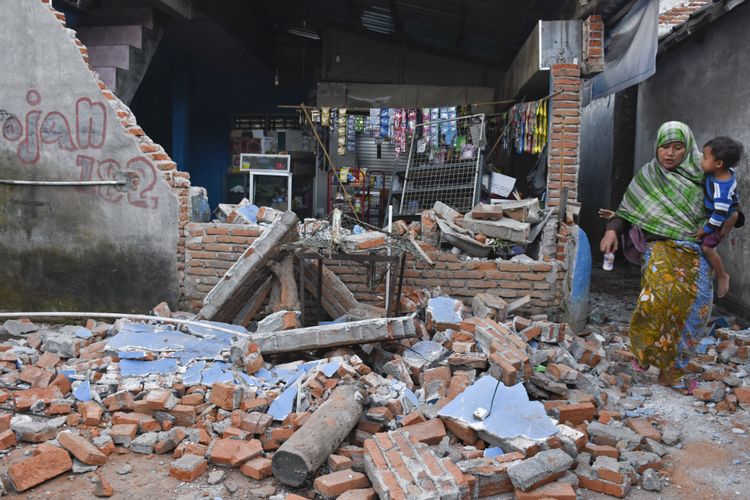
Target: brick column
<point x="565" y="140"/>
<point x="593" y="45"/>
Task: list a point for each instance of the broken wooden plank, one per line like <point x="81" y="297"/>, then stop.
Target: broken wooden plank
<point x="322" y="433"/>
<point x="243" y="279"/>
<point x="338" y="334"/>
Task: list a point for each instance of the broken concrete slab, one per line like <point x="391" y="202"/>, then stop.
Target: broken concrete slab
<point x="334" y="335"/>
<point x="462" y="239"/>
<point x="505" y="229"/>
<point x="242" y="280"/>
<point x="511" y="415"/>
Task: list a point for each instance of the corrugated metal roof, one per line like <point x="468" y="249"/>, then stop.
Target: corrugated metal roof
<point x="491" y="30"/>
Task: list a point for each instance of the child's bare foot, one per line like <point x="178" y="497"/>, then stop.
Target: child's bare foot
<point x="722" y="283"/>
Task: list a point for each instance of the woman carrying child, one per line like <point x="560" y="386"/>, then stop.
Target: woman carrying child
<point x="659" y="215"/>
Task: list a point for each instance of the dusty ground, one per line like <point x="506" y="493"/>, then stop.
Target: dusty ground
<point x="713" y="461"/>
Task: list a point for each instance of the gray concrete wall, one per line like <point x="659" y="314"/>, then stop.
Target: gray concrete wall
<point x="704" y="83"/>
<point x="66" y="248"/>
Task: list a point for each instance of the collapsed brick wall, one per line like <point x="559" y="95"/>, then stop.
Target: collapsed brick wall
<point x="210" y="250"/>
<point x="463" y="279"/>
<point x="178" y="181"/>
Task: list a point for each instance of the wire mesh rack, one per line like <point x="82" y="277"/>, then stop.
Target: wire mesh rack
<point x="442" y="167"/>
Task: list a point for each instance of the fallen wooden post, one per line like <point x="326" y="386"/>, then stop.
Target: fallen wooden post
<point x="321" y="435"/>
<point x="334" y="335"/>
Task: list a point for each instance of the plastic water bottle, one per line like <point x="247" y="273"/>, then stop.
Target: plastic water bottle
<point x="609" y="261"/>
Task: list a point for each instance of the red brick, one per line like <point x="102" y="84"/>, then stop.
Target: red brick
<point x="5" y="421"/>
<point x="81" y="448"/>
<point x="412" y="418"/>
<point x="558" y="490"/>
<point x="339" y="462"/>
<point x="463" y="432"/>
<point x="234" y="452"/>
<point x="361" y="494"/>
<point x="606" y="487"/>
<point x="577" y="413"/>
<point x="223" y="396"/>
<point x="160" y="400"/>
<point x="24" y="399"/>
<point x="91" y="413"/>
<point x="123" y="433"/>
<point x="47" y="360"/>
<point x="430" y="432"/>
<point x="257" y="468"/>
<point x="644" y="428"/>
<point x="184" y="415"/>
<point x="49" y="463"/>
<point x="336" y="483"/>
<point x="743" y="394"/>
<point x="598" y="450"/>
<point x="194" y="399"/>
<point x="7" y="439"/>
<point x="60" y="407"/>
<point x="188" y="468"/>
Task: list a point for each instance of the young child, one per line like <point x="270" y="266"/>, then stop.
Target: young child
<point x="720" y="156"/>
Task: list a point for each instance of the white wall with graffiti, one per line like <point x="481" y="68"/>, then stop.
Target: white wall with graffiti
<point x="111" y="245"/>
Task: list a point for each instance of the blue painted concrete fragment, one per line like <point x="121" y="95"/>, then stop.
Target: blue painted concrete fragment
<point x="83" y="391"/>
<point x="511" y="415"/>
<point x="138" y="368"/>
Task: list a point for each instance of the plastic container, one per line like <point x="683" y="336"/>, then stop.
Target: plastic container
<point x="609" y="261"/>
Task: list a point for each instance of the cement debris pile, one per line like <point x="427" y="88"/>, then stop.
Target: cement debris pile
<point x="450" y="401"/>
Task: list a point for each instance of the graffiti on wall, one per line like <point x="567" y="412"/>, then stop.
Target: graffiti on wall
<point x="86" y="135"/>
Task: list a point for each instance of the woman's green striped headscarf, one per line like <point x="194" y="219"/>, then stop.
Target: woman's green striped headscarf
<point x="663" y="202"/>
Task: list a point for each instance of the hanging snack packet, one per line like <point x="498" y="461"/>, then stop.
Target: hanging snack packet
<point x="384" y="114"/>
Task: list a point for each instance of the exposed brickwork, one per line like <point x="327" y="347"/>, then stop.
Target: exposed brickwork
<point x="178" y="181"/>
<point x="565" y="140"/>
<point x="593" y="45"/>
<point x="211" y="249"/>
<point x="463" y="279"/>
<point x="405" y="468"/>
<point x="679" y="14"/>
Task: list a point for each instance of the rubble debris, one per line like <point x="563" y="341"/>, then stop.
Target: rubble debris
<point x="309" y="447"/>
<point x="473" y="407"/>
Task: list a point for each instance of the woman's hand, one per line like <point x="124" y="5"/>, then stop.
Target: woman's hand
<point x="606" y="214"/>
<point x="609" y="242"/>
